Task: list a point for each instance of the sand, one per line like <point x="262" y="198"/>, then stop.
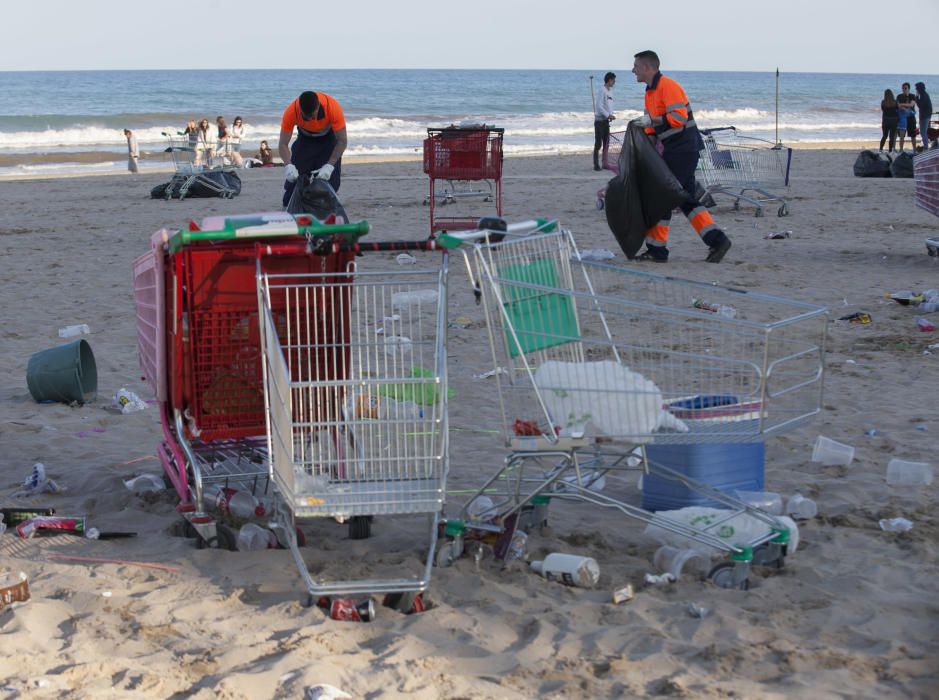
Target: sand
<point x="853" y="614"/>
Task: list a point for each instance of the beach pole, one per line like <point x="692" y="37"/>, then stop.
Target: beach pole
<point x="593" y="98"/>
<point x="778" y="142"/>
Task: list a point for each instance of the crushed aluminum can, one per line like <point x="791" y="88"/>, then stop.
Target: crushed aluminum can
<point x="349" y="609"/>
<point x="624" y="594"/>
<point x="15" y="592"/>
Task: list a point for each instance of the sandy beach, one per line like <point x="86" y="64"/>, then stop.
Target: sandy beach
<point x="854" y="614"/>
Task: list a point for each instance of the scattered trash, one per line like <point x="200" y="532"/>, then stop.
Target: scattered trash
<point x="903" y="473"/>
<point x="15" y="516"/>
<point x="73" y="331"/>
<point x="461" y="322"/>
<point x="491" y="373"/>
<point x="850" y="362"/>
<point x="481" y="508"/>
<point x="414" y="297"/>
<point x="127" y="401"/>
<point x="37" y="483"/>
<point x="324" y="691"/>
<point x="569" y="569"/>
<point x="672" y="560"/>
<point x="145" y="483"/>
<point x="861" y="317"/>
<point x="697" y="611"/>
<point x="50" y="522"/>
<point x="597" y="254"/>
<point x="925" y="326"/>
<point x="253" y="538"/>
<point x="348" y="609"/>
<point x="106" y="594"/>
<point x="407" y="603"/>
<point x="767" y="501"/>
<point x="905" y="298"/>
<point x="871" y="433"/>
<point x="516" y="550"/>
<point x="719" y="309"/>
<point x="397" y="343"/>
<point x="624" y="594"/>
<point x="798" y="507"/>
<point x="777" y="235"/>
<point x="13" y="590"/>
<point x="406" y="259"/>
<point x="922" y="427"/>
<point x="831" y="452"/>
<point x="896" y="525"/>
<point x="654" y="580"/>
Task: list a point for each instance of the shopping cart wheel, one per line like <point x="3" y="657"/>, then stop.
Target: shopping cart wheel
<point x="724" y="575"/>
<point x="770" y="555"/>
<point x="783" y="210"/>
<point x="308" y="601"/>
<point x="360" y="527"/>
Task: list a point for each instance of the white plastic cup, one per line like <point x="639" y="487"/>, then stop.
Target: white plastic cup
<point x="671" y="560"/>
<point x="830" y="452"/>
<point x="767" y="501"/>
<point x="903" y="473"/>
<point x="799" y="507"/>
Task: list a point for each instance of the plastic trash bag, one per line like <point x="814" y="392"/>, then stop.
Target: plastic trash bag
<point x="642" y="194"/>
<point x="902" y="166"/>
<point x="318" y="198"/>
<point x="872" y="164"/>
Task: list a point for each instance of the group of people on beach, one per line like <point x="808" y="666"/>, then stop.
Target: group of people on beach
<point x="221" y="141"/>
<point x="898" y="117"/>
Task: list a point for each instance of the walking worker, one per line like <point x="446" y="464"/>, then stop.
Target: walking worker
<point x="602" y="116"/>
<point x="321" y="140"/>
<point x="924" y="106"/>
<point x="133" y="153"/>
<point x="669" y="120"/>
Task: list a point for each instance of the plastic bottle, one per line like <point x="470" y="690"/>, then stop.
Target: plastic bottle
<point x="719" y="309"/>
<point x="414" y="297"/>
<point x="145" y="483"/>
<point x="569" y="569"/>
<point x="72" y="331"/>
<point x="252" y="537"/>
<point x="238" y="503"/>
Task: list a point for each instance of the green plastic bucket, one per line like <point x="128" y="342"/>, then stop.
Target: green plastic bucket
<point x="65" y="373"/>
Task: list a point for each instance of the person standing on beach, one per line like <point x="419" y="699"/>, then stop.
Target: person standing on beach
<point x="890" y="117"/>
<point x="907" y="122"/>
<point x="924" y="105"/>
<point x="133" y="154"/>
<point x="321" y="140"/>
<point x="669" y="120"/>
<point x="602" y="116"/>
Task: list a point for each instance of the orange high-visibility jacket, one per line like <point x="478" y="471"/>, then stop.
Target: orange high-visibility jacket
<point x="667" y="105"/>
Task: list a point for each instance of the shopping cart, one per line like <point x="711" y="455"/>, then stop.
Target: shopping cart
<point x="593" y="360"/>
<point x="610" y="161"/>
<point x="735" y="165"/>
<point x="462" y="155"/>
<point x="196" y="164"/>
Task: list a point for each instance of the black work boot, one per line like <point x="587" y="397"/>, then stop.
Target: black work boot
<point x="653" y="253"/>
<point x="719" y="244"/>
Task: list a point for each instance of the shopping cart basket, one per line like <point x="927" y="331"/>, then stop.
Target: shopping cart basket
<point x="462" y="155"/>
<point x="593" y="360"/>
<point x="745" y="168"/>
<point x="199" y="346"/>
<point x="195" y="164"/>
<point x="356" y="398"/>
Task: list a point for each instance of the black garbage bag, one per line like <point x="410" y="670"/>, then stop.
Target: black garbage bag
<point x="643" y="192"/>
<point x="214" y="183"/>
<point x="872" y="164"/>
<point x="317" y="198"/>
<point x="902" y="165"/>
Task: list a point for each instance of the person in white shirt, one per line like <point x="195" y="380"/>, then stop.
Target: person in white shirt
<point x="132" y="151"/>
<point x="602" y="116"/>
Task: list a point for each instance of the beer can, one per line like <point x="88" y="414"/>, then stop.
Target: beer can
<point x="351" y="610"/>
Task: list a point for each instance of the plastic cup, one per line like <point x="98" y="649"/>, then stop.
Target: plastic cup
<point x="767" y="501"/>
<point x="801" y="508"/>
<point x="829" y="452"/>
<point x="672" y="560"/>
<point x="65" y="373"/>
<point x="903" y="473"/>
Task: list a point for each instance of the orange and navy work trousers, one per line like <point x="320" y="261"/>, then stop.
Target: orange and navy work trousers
<point x="682" y="165"/>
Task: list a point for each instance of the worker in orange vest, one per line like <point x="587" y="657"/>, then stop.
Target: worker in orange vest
<point x="669" y="120"/>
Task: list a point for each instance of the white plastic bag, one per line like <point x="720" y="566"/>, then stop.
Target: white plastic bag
<point x="127" y="401"/>
<point x="739" y="530"/>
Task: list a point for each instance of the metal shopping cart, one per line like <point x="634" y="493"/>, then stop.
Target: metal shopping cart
<point x="196" y="164"/>
<point x="735" y="165"/>
<point x="260" y="341"/>
<point x="593" y="360"/>
<point x="461" y="155"/>
<point x="610" y="161"/>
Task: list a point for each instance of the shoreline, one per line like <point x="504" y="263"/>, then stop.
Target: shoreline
<point x="167" y="168"/>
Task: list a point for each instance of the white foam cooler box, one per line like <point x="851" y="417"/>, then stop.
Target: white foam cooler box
<point x="726" y="467"/>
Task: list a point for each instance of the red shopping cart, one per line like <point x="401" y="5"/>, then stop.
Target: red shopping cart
<point x="461" y="155"/>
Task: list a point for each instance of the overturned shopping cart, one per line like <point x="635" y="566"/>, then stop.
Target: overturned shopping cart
<point x="201" y="169"/>
<point x="593" y="360"/>
<point x="744" y="168"/>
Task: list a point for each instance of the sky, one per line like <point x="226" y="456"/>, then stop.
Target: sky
<point x="836" y="36"/>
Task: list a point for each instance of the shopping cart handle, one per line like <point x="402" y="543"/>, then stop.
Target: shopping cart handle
<point x="454" y="239"/>
<point x="278" y="229"/>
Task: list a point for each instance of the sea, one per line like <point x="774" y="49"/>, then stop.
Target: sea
<point x="71" y="122"/>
